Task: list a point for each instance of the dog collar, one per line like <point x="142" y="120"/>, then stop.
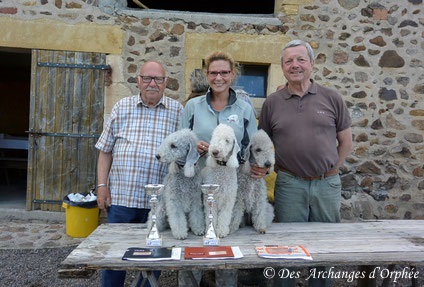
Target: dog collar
<point x="221" y="162"/>
<point x="180" y="163"/>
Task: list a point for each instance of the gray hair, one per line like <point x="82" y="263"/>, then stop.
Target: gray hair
<point x="150" y="61"/>
<point x="198" y="81"/>
<point x="295" y="43"/>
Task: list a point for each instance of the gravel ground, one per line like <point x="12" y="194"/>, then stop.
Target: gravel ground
<point x="38" y="268"/>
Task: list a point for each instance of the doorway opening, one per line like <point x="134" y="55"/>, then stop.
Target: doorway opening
<point x="15" y="82"/>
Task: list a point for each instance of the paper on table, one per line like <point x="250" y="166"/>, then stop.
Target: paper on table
<point x="235" y="249"/>
<point x="152" y="254"/>
<point x="283" y="252"/>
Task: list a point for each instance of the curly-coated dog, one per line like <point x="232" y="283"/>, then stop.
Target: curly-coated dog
<point x="182" y="196"/>
<point x="252" y="193"/>
<point x="221" y="168"/>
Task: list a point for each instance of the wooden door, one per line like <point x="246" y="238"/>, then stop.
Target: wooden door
<point x="66" y="119"/>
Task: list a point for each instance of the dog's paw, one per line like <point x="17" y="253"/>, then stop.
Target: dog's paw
<point x="223" y="232"/>
<point x="180" y="236"/>
<point x="199" y="232"/>
<point x="197" y="227"/>
<point x="233" y="229"/>
<point x="261" y="231"/>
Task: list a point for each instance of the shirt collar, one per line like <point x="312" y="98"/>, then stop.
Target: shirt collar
<point x="162" y="102"/>
<point x="312" y="90"/>
<point x="231" y="100"/>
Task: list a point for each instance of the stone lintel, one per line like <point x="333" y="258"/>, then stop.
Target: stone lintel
<point x="55" y="35"/>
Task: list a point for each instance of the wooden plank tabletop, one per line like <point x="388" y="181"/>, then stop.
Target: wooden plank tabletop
<point x="330" y="244"/>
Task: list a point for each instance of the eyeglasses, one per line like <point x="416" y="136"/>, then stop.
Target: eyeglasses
<point x="148" y="79"/>
<point x="215" y="74"/>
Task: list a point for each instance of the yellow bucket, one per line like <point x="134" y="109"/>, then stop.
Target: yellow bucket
<point x="80" y="221"/>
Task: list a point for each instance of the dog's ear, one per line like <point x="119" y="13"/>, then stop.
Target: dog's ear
<point x="233" y="161"/>
<point x="192" y="157"/>
<point x="245" y="168"/>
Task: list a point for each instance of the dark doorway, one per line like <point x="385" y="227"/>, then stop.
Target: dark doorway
<point x="15" y="75"/>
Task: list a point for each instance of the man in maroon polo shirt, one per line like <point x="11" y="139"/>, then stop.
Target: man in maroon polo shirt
<point x="310" y="127"/>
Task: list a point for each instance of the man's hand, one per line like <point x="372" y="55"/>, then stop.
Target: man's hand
<point x="258" y="172"/>
<point x="104" y="199"/>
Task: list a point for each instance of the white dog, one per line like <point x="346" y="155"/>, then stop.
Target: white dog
<point x="221" y="168"/>
<point x="252" y="193"/>
<point x="182" y="196"/>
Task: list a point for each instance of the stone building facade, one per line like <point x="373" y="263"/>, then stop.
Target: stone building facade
<point x="371" y="52"/>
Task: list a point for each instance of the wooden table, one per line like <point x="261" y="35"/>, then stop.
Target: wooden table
<point x="368" y="243"/>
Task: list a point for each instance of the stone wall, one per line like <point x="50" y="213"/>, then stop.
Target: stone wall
<point x="372" y="53"/>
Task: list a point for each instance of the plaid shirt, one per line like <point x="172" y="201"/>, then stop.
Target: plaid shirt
<point x="133" y="133"/>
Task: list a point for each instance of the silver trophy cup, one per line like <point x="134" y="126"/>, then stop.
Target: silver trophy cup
<point x="210" y="237"/>
<point x="153" y="237"/>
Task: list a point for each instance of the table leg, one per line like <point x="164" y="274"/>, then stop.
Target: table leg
<point x="193" y="279"/>
<point x="151" y="277"/>
<point x="386" y="281"/>
<point x="137" y="278"/>
<point x="366" y="281"/>
<point x="147" y="276"/>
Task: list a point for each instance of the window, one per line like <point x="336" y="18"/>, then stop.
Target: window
<point x="253" y="80"/>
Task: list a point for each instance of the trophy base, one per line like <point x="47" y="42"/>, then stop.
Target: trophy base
<point x="210" y="241"/>
<point x="154" y="242"/>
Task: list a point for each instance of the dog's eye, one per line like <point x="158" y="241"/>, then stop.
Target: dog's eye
<point x="173" y="146"/>
<point x="258" y="150"/>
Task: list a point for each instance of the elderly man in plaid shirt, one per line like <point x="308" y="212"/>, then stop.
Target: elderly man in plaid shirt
<point x="128" y="144"/>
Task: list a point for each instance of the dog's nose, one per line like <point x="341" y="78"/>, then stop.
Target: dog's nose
<point x="215" y="152"/>
<point x="158" y="157"/>
<point x="267" y="164"/>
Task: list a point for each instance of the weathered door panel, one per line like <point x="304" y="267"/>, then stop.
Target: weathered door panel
<point x="66" y="118"/>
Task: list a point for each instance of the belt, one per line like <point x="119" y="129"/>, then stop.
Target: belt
<point x="327" y="174"/>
